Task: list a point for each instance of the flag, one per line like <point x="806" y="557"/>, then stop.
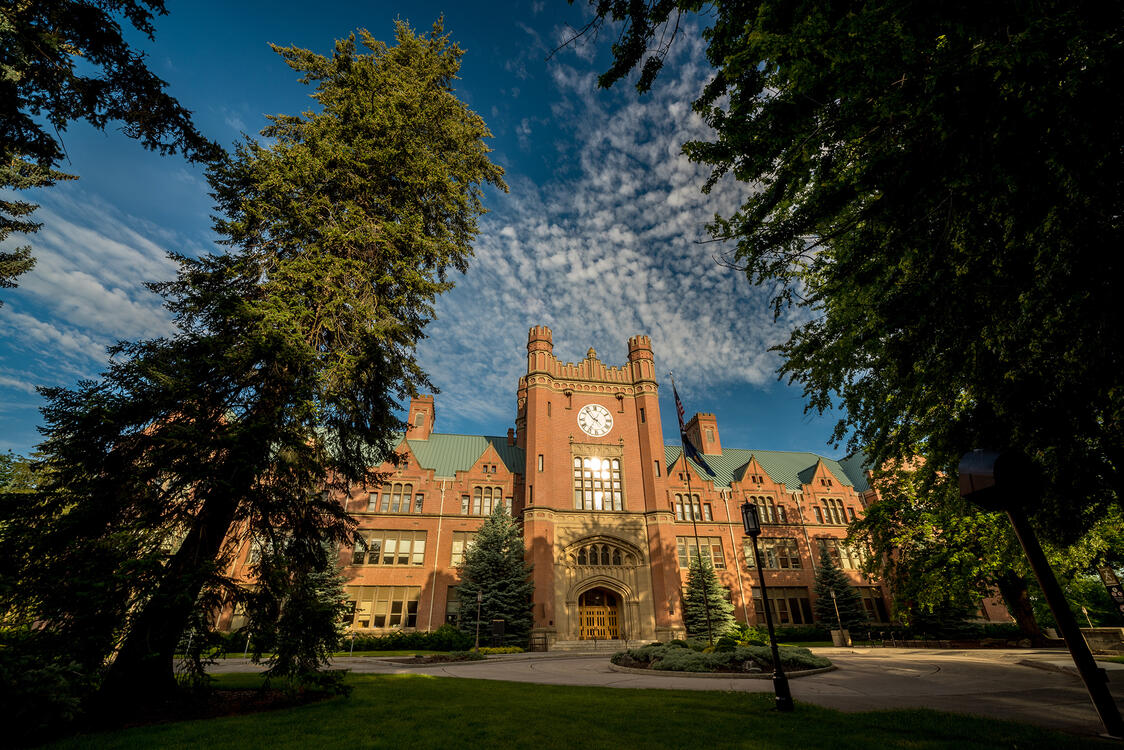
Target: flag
<point x="689" y="449"/>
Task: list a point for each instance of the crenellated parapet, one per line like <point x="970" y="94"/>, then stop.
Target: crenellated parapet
<point x="543" y="367"/>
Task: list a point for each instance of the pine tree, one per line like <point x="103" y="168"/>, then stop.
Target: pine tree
<point x="703" y="589"/>
<point x="494" y="565"/>
<point x="291" y="353"/>
<point x="851" y="611"/>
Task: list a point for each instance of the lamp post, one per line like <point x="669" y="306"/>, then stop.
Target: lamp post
<point x="479" y="601"/>
<point x="1004" y="482"/>
<point x="752" y="524"/>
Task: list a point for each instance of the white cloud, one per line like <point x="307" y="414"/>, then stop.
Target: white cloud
<point x="609" y="249"/>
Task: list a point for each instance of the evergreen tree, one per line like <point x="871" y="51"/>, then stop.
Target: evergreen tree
<point x="290" y="356"/>
<point x="494" y="565"/>
<point x="851" y="611"/>
<point x="703" y="589"/>
<point x="65" y="60"/>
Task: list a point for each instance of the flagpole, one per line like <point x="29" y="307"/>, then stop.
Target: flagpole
<point x="691" y="510"/>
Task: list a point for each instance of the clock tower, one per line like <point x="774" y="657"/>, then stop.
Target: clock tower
<point x="597" y="525"/>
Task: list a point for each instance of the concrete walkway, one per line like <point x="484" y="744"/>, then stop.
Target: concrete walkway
<point x="1023" y="685"/>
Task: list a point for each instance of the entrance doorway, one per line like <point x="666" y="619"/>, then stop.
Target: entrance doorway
<point x="598" y="616"/>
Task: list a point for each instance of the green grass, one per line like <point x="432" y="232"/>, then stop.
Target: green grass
<point x="1117" y="659"/>
<point x="806" y="644"/>
<point x="419" y="711"/>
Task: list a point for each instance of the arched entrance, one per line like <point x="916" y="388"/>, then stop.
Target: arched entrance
<point x="599" y="615"/>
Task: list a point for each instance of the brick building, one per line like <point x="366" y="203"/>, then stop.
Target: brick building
<point x="605" y="508"/>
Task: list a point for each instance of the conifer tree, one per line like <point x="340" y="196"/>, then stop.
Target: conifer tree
<point x="830" y="578"/>
<point x="291" y="354"/>
<point x="703" y="589"/>
<point x="494" y="565"/>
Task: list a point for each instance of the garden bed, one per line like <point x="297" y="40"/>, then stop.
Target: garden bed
<point x="743" y="660"/>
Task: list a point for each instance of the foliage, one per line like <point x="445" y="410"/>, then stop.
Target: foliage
<point x="740" y="634"/>
<point x="802" y="632"/>
<point x="295" y="609"/>
<point x="488" y="650"/>
<point x="1086" y="591"/>
<point x="846" y="606"/>
<point x="278" y="391"/>
<point x="445" y="638"/>
<point x="933" y="183"/>
<point x="494" y="566"/>
<point x="63" y="60"/>
<point x="670" y="658"/>
<point x="41" y="693"/>
<point x="707" y="610"/>
<point x="942" y="555"/>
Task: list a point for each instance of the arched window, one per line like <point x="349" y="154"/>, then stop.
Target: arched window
<point x="581" y="556"/>
<point x="604" y="555"/>
<point x="616" y="557"/>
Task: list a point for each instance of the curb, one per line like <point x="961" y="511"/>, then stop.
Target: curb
<point x="720" y="675"/>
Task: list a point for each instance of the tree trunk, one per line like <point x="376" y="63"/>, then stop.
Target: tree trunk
<point x="1013" y="587"/>
<point x="144" y="667"/>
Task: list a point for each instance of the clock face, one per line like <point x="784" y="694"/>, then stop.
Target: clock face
<point x="595" y="420"/>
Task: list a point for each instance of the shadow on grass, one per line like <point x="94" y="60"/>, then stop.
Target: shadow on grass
<point x="420" y="711"/>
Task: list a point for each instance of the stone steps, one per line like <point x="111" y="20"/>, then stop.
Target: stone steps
<point x="591" y="647"/>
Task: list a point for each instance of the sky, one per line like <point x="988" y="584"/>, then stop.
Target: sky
<point x="602" y="235"/>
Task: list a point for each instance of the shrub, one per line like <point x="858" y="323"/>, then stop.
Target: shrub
<point x="501" y="650"/>
<point x="41" y="695"/>
<point x="800" y="633"/>
<point x="678" y="659"/>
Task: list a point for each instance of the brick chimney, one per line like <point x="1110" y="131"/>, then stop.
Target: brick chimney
<point x="703" y="432"/>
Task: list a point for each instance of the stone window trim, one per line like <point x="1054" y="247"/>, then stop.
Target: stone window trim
<point x="597" y="477"/>
<point x="396" y="498"/>
<point x="614" y="552"/>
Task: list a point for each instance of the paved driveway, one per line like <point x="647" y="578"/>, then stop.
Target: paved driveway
<point x="1020" y="685"/>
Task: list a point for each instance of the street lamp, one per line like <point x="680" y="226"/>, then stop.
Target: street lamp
<point x="752" y="524"/>
<point x="479" y="600"/>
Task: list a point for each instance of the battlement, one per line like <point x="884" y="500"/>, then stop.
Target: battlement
<point x="540" y="339"/>
<point x="639" y="347"/>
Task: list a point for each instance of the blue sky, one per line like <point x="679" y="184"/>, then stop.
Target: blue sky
<point x="598" y="237"/>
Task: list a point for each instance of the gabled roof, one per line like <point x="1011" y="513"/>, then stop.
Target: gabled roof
<point x="856" y="465"/>
<point x="448" y="454"/>
<point x="786" y="467"/>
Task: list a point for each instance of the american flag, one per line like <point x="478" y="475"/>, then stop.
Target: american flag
<point x="688" y="447"/>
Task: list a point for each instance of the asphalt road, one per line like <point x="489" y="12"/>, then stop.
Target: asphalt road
<point x="1031" y="686"/>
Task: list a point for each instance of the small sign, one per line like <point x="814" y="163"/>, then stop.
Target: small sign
<point x="1108" y="575"/>
<point x="1112" y="583"/>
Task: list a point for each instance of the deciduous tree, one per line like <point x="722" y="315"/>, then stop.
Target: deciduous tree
<point x="935" y="184"/>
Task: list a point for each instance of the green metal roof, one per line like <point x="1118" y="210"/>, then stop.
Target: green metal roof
<point x="448" y="454"/>
<point x="791" y="468"/>
<point x="856" y="466"/>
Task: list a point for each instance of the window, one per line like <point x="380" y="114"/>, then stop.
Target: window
<point x="462" y="540"/>
<point x="851" y="514"/>
<point x="548" y="408"/>
<point x="597" y="483"/>
<point x="684" y="504"/>
<point x="791" y="606"/>
<point x="657" y="463"/>
<point x="776" y="554"/>
<point x="419" y="419"/>
<point x="484" y="499"/>
<point x="452" y="606"/>
<point x="419" y="501"/>
<point x="464" y="505"/>
<point x="709" y="435"/>
<point x="602" y="554"/>
<point x="384" y="606"/>
<point x="770" y="511"/>
<point x="688" y="550"/>
<point x="832" y="512"/>
<point x="389" y="548"/>
<point x="848" y="558"/>
<point x="874" y="604"/>
<point x="706" y="512"/>
<point x="540" y="462"/>
<point x="396" y="498"/>
<point x="819" y="513"/>
<point x="642" y="414"/>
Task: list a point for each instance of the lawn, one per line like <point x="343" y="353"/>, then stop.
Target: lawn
<point x="418" y="711"/>
<point x="404" y="652"/>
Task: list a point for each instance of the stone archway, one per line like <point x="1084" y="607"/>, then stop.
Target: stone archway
<point x="599" y="614"/>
